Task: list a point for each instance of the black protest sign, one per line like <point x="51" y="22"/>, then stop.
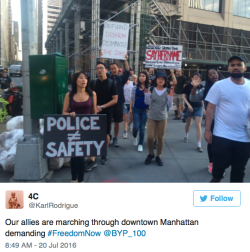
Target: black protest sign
<point x="65" y="136"/>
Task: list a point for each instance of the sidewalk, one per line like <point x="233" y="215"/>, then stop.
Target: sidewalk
<point x="182" y="162"/>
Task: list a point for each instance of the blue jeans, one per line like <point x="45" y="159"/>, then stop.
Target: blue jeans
<point x="140" y="119"/>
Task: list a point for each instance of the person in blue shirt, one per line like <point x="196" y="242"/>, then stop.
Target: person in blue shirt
<point x="139" y="109"/>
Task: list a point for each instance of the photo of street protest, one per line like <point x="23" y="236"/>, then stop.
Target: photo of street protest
<point x="137" y="91"/>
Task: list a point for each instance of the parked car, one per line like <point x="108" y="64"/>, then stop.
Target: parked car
<point x="15" y="70"/>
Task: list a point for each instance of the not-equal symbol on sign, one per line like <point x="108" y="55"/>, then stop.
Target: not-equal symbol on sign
<point x="75" y="136"/>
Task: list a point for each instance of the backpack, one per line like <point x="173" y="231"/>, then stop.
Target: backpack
<point x="17" y="104"/>
<point x="93" y="84"/>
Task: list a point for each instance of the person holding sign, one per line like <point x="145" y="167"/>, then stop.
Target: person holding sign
<point x="120" y="81"/>
<point x="139" y="108"/>
<point x="157" y="98"/>
<point x="81" y="100"/>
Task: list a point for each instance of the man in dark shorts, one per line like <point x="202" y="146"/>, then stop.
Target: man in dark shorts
<point x="178" y="101"/>
<point x="120" y="81"/>
<point x="107" y="97"/>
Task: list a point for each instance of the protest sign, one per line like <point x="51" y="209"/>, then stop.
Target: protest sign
<point x="163" y="56"/>
<point x="115" y="40"/>
<point x="82" y="136"/>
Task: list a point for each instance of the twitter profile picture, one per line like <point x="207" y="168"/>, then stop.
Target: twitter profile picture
<point x="203" y="198"/>
<point x="14" y="199"/>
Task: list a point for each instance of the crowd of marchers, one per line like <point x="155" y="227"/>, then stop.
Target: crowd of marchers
<point x="144" y="101"/>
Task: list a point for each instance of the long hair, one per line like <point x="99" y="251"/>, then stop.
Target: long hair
<point x="146" y="81"/>
<point x="74" y="85"/>
<point x="209" y="83"/>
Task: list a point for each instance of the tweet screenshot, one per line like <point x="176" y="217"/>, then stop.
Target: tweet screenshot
<point x="125" y="125"/>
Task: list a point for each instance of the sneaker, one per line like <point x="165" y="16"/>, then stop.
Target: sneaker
<point x="125" y="135"/>
<point x="199" y="149"/>
<point x="159" y="161"/>
<point x="149" y="159"/>
<point x="155" y="144"/>
<point x="130" y="128"/>
<point x="185" y="139"/>
<point x="135" y="141"/>
<point x="210" y="167"/>
<point x="104" y="160"/>
<point x="90" y="165"/>
<point x="140" y="148"/>
<point x="115" y="142"/>
<point x="177" y="118"/>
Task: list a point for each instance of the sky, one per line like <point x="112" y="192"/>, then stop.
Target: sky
<point x="16" y="16"/>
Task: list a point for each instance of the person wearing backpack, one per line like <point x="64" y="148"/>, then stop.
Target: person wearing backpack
<point x="107" y="97"/>
<point x="119" y="80"/>
<point x="157" y="98"/>
<point x="81" y="100"/>
<point x="139" y="109"/>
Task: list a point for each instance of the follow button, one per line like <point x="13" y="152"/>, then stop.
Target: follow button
<point x="217" y="198"/>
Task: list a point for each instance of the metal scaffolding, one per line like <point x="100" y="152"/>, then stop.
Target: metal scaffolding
<point x="151" y="22"/>
<point x="205" y="44"/>
<point x="93" y="13"/>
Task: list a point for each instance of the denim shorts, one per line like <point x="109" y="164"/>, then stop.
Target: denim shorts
<point x="126" y="108"/>
<point x="197" y="111"/>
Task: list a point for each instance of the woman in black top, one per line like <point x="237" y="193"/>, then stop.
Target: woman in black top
<point x="195" y="109"/>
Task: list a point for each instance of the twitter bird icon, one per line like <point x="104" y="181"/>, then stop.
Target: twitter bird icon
<point x="204" y="198"/>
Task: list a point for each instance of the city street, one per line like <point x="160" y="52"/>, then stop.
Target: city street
<point x="182" y="162"/>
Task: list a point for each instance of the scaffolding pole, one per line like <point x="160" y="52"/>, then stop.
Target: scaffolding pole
<point x="93" y="46"/>
<point x="61" y="41"/>
<point x="132" y="34"/>
<point x="67" y="41"/>
<point x="77" y="20"/>
<point x="137" y="37"/>
<point x="97" y="31"/>
<point x="57" y="43"/>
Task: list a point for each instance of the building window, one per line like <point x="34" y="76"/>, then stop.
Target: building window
<point x="242" y="8"/>
<point x="209" y="5"/>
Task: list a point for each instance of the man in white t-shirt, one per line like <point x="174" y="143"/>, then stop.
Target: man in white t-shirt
<point x="229" y="105"/>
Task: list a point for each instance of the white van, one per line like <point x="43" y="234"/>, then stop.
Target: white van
<point x="15" y="70"/>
